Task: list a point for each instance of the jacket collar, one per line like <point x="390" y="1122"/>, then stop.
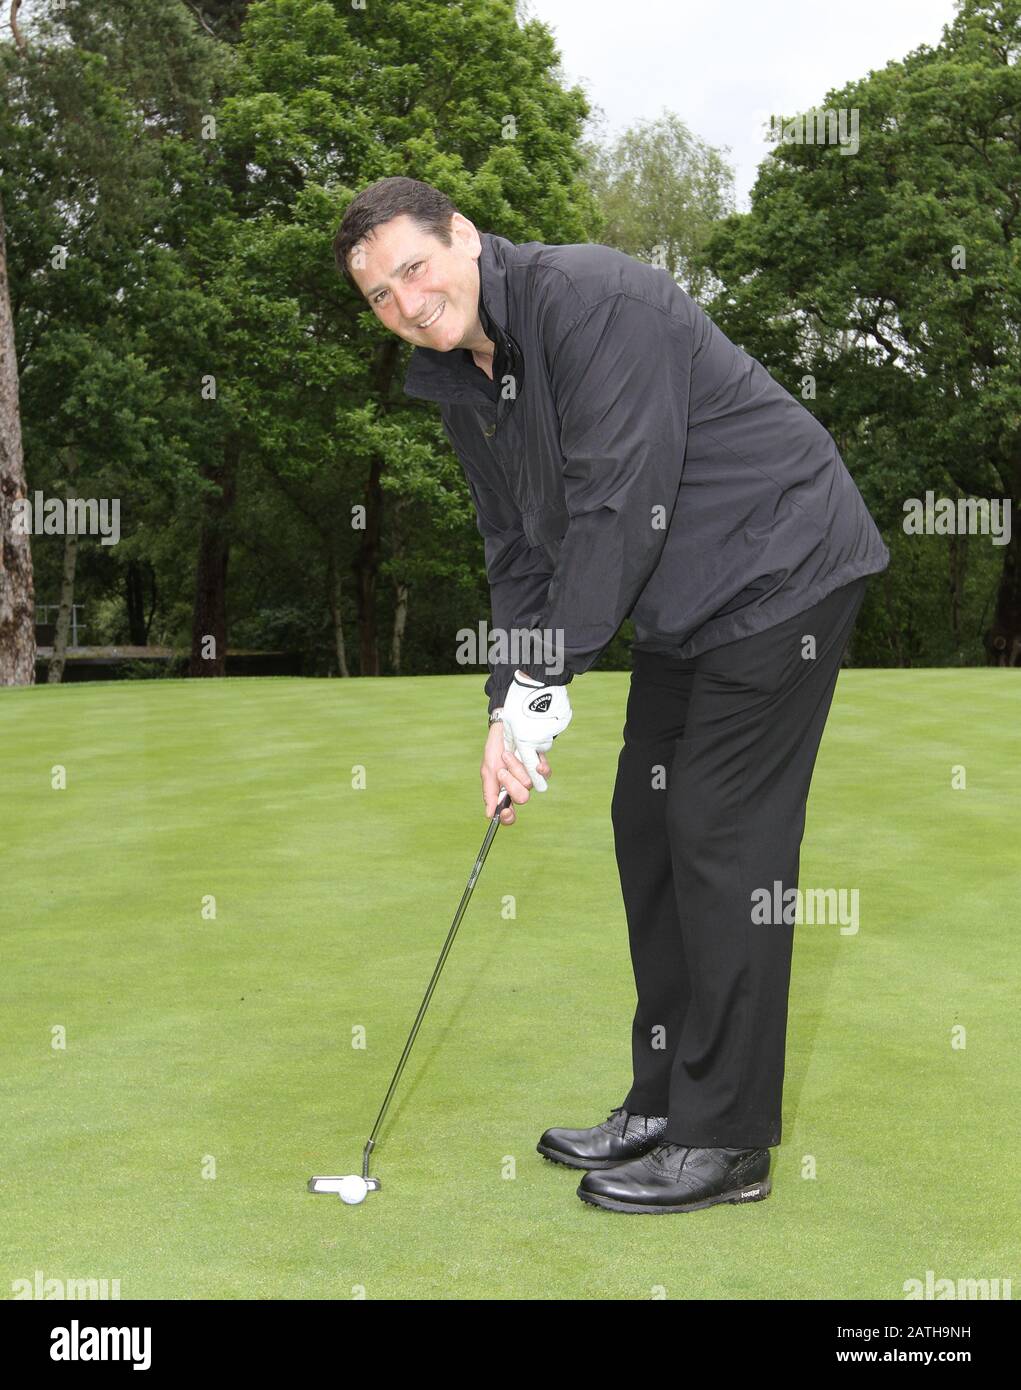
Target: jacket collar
<point x="453" y="376"/>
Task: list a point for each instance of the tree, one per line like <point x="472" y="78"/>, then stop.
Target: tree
<point x="101" y="162"/>
<point x="889" y="281"/>
<point x="660" y="193"/>
<point x="329" y="99"/>
<point x="17" y="593"/>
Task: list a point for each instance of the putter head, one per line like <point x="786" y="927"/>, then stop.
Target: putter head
<point x="333" y="1185"/>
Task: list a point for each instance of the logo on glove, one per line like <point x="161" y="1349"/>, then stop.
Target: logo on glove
<point x="541" y="703"/>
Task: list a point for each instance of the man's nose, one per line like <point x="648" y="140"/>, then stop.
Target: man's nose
<point x="411" y="307"/>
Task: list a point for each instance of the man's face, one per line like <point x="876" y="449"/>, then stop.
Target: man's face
<point x="406" y="276"/>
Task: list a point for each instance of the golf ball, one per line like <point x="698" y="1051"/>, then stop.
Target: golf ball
<point x="352" y="1190"/>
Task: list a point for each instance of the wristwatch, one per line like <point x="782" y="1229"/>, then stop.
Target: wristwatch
<point x="496" y="717"/>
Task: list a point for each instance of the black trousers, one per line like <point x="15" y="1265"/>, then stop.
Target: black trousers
<point x="708" y="808"/>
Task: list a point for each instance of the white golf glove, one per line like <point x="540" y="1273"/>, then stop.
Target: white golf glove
<point x="533" y="715"/>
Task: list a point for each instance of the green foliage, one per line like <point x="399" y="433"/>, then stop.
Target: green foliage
<point x="173" y="174"/>
<point x="892" y="279"/>
<point x="661" y="192"/>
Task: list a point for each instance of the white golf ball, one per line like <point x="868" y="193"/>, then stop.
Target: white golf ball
<point x="352" y="1190"/>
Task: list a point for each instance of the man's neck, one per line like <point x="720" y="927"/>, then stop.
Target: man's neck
<point x="482" y="349"/>
<point x="484" y="361"/>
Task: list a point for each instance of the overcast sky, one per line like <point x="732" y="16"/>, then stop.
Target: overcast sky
<point x="725" y="65"/>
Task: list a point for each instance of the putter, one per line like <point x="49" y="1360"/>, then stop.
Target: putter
<point x="352" y="1189"/>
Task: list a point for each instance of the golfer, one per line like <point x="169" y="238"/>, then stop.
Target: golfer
<point x="626" y="459"/>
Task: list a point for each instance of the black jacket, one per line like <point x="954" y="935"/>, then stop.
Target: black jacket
<point x="629" y="459"/>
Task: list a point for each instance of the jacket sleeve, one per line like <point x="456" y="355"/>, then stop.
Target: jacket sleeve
<point x="518" y="573"/>
<point x="621" y="377"/>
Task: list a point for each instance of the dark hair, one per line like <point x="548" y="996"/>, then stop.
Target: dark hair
<point x="386" y="199"/>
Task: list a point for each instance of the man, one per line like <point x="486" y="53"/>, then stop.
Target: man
<point x="625" y="458"/>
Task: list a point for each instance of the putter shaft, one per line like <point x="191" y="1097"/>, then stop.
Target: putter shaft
<point x="501" y="805"/>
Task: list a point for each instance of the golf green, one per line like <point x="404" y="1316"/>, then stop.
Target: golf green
<point x="171" y="1078"/>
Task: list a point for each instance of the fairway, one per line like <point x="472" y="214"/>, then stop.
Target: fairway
<point x="207" y="1068"/>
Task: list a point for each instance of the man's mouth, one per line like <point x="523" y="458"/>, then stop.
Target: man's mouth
<point x="433" y="316"/>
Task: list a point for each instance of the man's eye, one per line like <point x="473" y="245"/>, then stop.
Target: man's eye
<point x="410" y="269"/>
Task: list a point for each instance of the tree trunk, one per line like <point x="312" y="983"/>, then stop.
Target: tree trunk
<point x="134" y="598"/>
<point x="400" y="621"/>
<point x="17" y="590"/>
<point x="893" y="631"/>
<point x="1003" y="640"/>
<point x="56" y="672"/>
<point x="209" y="618"/>
<point x="958" y="557"/>
<point x="152" y="601"/>
<point x="366" y="561"/>
<point x="366" y="569"/>
<point x="335" y="583"/>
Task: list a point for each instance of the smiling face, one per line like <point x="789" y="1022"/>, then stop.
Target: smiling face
<point x="425" y="292"/>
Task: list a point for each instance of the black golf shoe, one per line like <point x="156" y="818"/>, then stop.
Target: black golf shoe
<point x="621" y="1136"/>
<point x="671" y="1177"/>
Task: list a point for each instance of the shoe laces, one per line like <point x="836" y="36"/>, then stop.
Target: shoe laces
<point x="667" y="1150"/>
<point x="620" y="1110"/>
